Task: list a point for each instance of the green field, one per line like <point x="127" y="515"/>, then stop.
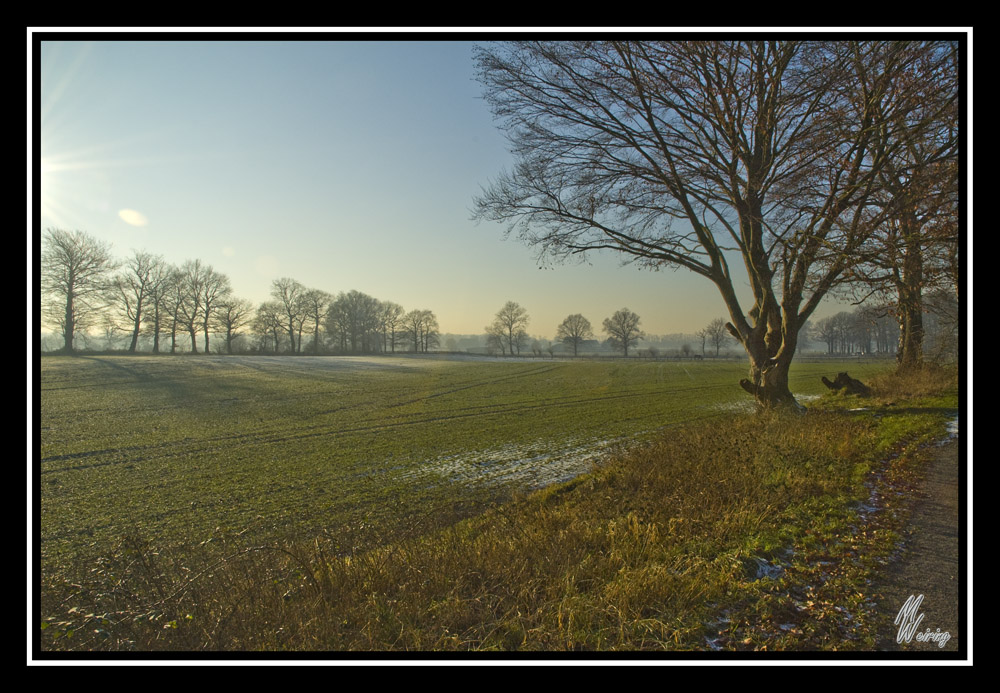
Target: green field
<point x="352" y="448"/>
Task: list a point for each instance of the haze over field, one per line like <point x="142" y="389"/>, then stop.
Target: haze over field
<point x="342" y="164"/>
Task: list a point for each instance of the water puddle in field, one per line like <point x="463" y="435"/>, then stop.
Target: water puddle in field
<point x="528" y="466"/>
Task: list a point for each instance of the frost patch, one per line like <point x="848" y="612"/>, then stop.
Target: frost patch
<point x="520" y="465"/>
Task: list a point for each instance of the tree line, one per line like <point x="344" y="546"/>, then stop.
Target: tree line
<point x="85" y="287"/>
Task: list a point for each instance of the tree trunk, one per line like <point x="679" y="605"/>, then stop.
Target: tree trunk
<point x="156" y="330"/>
<point x="768" y="383"/>
<point x="770" y="358"/>
<point x="135" y="334"/>
<point x="911" y="309"/>
<point x="68" y="326"/>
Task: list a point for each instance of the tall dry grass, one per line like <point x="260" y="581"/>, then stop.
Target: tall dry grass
<point x="638" y="555"/>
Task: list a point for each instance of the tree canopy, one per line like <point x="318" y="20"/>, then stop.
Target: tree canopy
<point x="678" y="154"/>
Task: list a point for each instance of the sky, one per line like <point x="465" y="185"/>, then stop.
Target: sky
<point x="343" y="164"/>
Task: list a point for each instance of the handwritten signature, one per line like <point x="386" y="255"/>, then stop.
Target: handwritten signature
<point x="909" y="618"/>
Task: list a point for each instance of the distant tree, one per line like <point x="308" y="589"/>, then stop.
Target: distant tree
<point x="288" y="293"/>
<point x="175" y="297"/>
<point x="231" y="315"/>
<point x="215" y="289"/>
<point x="131" y="291"/>
<point x="573" y="331"/>
<point x="75" y="269"/>
<point x="686" y="350"/>
<point x="420" y="330"/>
<point x="269" y="323"/>
<point x="432" y="332"/>
<point x="390" y="317"/>
<point x="355" y="318"/>
<point x="509" y="326"/>
<point x="717" y="334"/>
<point x="825" y="330"/>
<point x="189" y="308"/>
<point x="703" y="335"/>
<point x="623" y="330"/>
<point x="494" y="344"/>
<point x="160" y="280"/>
<point x="315" y="303"/>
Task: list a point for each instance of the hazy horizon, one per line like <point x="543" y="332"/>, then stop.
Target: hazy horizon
<point x="344" y="165"/>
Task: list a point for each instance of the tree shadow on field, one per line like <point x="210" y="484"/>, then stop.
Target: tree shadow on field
<point x="178" y="387"/>
<point x="132" y="372"/>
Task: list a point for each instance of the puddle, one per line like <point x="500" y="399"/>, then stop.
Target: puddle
<point x="953" y="427"/>
<point x="952" y="432"/>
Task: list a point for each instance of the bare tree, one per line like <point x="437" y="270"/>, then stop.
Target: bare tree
<point x="916" y="244"/>
<point x="231" y="315"/>
<point x="702" y="334"/>
<point x="671" y="153"/>
<point x="574" y="330"/>
<point x="717" y="334"/>
<point x="160" y="285"/>
<point x="131" y="290"/>
<point x="354" y="319"/>
<point x="509" y="327"/>
<point x="75" y="268"/>
<point x="623" y="330"/>
<point x="215" y="289"/>
<point x="315" y="304"/>
<point x="189" y="310"/>
<point x="268" y="324"/>
<point x="390" y="319"/>
<point x="175" y="297"/>
<point x="288" y="293"/>
<point x="420" y="330"/>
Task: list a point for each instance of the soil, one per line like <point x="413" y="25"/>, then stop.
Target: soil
<point x="930" y="564"/>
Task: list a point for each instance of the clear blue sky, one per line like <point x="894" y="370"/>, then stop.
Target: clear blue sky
<point x="342" y="164"/>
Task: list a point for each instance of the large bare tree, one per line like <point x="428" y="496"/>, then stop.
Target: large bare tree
<point x="916" y="245"/>
<point x="679" y="154"/>
<point x="75" y="270"/>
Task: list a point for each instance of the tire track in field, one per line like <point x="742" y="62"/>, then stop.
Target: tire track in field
<point x="193" y="446"/>
<point x="475" y="383"/>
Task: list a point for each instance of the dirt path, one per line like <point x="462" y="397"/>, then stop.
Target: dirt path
<point x="929" y="565"/>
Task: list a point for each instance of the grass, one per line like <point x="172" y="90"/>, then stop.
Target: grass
<point x="669" y="546"/>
